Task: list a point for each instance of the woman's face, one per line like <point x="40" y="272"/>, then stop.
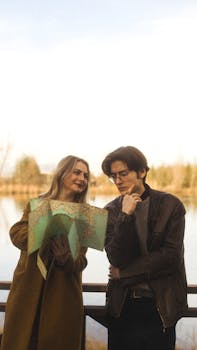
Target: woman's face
<point x="77" y="181"/>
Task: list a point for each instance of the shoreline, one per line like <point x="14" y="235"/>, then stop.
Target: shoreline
<point x="20" y="189"/>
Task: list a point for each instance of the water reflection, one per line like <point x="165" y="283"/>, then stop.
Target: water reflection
<point x="11" y="209"/>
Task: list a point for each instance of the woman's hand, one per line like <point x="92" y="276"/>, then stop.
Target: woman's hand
<point x="60" y="249"/>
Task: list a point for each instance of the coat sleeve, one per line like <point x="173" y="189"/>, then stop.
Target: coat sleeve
<point x="19" y="231"/>
<point x="165" y="257"/>
<point x="121" y="244"/>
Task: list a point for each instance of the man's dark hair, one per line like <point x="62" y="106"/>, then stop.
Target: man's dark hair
<point x="132" y="156"/>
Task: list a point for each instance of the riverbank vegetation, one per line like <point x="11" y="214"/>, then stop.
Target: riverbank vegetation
<point x="28" y="179"/>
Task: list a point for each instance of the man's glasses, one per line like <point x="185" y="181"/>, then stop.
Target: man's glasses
<point x="121" y="174"/>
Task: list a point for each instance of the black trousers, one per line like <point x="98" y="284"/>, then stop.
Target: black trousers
<point x="139" y="328"/>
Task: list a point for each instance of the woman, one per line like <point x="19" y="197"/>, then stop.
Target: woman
<point x="48" y="314"/>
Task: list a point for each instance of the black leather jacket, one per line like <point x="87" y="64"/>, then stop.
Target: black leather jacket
<point x="163" y="268"/>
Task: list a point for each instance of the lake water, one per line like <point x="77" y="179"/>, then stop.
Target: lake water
<point x="97" y="269"/>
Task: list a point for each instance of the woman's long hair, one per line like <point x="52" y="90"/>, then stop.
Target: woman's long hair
<point x="63" y="170"/>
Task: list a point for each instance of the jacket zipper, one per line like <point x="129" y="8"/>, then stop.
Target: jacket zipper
<point x="158" y="310"/>
<point x="162" y="320"/>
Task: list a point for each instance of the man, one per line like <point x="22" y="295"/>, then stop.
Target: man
<point x="147" y="289"/>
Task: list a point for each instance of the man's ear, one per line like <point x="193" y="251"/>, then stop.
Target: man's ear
<point x="142" y="173"/>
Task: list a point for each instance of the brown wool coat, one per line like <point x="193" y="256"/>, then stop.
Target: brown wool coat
<point x="43" y="314"/>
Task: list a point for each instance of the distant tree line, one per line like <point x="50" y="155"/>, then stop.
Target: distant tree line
<point x="177" y="176"/>
<point x="180" y="176"/>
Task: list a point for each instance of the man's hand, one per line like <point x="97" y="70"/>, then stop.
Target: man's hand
<point x="114" y="272"/>
<point x="129" y="203"/>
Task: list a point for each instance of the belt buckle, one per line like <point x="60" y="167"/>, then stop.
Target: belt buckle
<point x="134" y="295"/>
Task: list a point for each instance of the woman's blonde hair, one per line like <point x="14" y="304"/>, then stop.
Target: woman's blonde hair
<point x="63" y="170"/>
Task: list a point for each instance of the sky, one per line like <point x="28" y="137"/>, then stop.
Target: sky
<point x="86" y="77"/>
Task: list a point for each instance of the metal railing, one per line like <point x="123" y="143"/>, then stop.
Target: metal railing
<point x="97" y="311"/>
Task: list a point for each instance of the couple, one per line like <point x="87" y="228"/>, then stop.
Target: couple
<point x="147" y="289"/>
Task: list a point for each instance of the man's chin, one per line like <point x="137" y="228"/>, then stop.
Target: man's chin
<point x="122" y="191"/>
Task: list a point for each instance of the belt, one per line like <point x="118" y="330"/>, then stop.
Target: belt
<point x="137" y="293"/>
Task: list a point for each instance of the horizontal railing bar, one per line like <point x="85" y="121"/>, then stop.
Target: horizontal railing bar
<point x="192" y="289"/>
<point x="2" y="306"/>
<point x="97" y="287"/>
<point x="101" y="288"/>
<point x="87" y="287"/>
<point x="5" y="285"/>
<point x="94" y="287"/>
<point x="191" y="312"/>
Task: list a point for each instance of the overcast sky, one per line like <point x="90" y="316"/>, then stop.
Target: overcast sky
<point x="86" y="77"/>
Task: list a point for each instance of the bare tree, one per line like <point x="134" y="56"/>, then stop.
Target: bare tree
<point x="4" y="152"/>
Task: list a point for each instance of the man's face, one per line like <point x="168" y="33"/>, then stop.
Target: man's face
<point x="127" y="180"/>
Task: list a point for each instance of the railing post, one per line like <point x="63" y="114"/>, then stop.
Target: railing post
<point x="83" y="338"/>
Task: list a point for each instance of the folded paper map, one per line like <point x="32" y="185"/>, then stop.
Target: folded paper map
<point x="84" y="224"/>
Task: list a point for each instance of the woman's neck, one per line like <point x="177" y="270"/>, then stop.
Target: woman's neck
<point x="66" y="196"/>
